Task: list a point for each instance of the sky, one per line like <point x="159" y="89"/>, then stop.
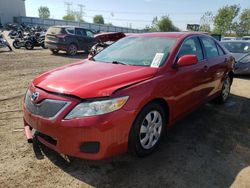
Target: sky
<point x="135" y="13"/>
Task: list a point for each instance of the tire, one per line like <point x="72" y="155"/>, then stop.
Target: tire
<point x="225" y="91"/>
<point x="28" y="45"/>
<point x="72" y="50"/>
<point x="54" y="51"/>
<point x="43" y="45"/>
<point x="15" y="45"/>
<point x="147" y="130"/>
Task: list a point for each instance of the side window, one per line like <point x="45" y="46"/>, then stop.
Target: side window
<point x="89" y="34"/>
<point x="221" y="52"/>
<point x="83" y="32"/>
<point x="70" y="30"/>
<point x="78" y="32"/>
<point x="191" y="46"/>
<point x="210" y="47"/>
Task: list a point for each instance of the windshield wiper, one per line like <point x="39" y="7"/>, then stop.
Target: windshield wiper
<point x="117" y="62"/>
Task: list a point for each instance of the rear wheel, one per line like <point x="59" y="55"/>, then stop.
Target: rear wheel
<point x="29" y="45"/>
<point x="43" y="45"/>
<point x="72" y="49"/>
<point x="147" y="130"/>
<point x="225" y="91"/>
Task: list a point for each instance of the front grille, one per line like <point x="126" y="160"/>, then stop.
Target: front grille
<point x="48" y="108"/>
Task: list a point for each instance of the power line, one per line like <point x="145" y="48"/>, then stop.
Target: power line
<point x="81" y="9"/>
<point x="135" y="20"/>
<point x="68" y="4"/>
<point x="146" y="13"/>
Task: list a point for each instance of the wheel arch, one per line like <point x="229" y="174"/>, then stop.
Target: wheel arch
<point x="231" y="76"/>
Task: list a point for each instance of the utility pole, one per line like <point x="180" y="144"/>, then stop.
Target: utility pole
<point x="81" y="9"/>
<point x="68" y="4"/>
<point x="80" y="13"/>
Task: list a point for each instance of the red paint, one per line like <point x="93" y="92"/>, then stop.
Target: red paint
<point x="187" y="60"/>
<point x="183" y="88"/>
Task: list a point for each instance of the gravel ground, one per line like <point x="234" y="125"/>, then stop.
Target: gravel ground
<point x="208" y="148"/>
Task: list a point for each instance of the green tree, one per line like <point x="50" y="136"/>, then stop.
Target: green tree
<point x="98" y="19"/>
<point x="224" y="20"/>
<point x="206" y="21"/>
<point x="43" y="12"/>
<point x="244" y="24"/>
<point x="69" y="17"/>
<point x="165" y="24"/>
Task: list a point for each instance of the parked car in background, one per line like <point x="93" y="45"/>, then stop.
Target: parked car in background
<point x="238" y="48"/>
<point x="3" y="42"/>
<point x="228" y="38"/>
<point x="246" y="38"/>
<point x="126" y="96"/>
<point x="242" y="66"/>
<point x="105" y="39"/>
<point x="70" y="39"/>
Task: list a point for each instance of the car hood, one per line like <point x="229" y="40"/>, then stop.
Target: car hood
<point x="89" y="79"/>
<point x="237" y="56"/>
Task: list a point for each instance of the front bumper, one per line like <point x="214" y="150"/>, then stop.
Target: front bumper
<point x="68" y="136"/>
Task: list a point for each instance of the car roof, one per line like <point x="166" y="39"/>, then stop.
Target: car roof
<point x="68" y="26"/>
<point x="168" y="34"/>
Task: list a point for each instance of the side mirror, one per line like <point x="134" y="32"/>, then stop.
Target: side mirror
<point x="187" y="60"/>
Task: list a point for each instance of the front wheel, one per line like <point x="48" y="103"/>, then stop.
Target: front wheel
<point x="16" y="45"/>
<point x="147" y="130"/>
<point x="225" y="91"/>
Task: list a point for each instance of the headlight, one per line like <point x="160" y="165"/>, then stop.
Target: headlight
<point x="97" y="107"/>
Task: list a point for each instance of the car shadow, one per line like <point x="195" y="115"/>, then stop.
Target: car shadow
<point x="207" y="149"/>
<point x="245" y="77"/>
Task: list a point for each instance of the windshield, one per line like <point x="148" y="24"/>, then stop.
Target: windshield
<point x="237" y="47"/>
<point x="138" y="51"/>
<point x="245" y="59"/>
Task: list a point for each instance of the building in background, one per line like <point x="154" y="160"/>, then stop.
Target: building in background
<point x="10" y="9"/>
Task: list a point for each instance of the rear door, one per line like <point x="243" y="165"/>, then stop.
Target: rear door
<point x="216" y="61"/>
<point x="81" y="38"/>
<point x="90" y="39"/>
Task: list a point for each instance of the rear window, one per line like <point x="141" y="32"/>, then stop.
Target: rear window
<point x="60" y="30"/>
<point x="56" y="30"/>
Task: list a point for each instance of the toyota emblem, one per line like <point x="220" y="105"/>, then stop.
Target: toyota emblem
<point x="35" y="96"/>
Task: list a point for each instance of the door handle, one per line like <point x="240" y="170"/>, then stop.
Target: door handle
<point x="205" y="68"/>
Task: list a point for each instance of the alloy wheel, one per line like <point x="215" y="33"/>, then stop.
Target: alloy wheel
<point x="150" y="130"/>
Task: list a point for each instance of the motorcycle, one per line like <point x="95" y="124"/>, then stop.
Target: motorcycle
<point x="36" y="40"/>
<point x="4" y="43"/>
<point x="30" y="41"/>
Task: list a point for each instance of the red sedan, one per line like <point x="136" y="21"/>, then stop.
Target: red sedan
<point x="126" y="96"/>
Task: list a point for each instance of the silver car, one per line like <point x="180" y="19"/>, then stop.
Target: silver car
<point x="240" y="49"/>
<point x="242" y="66"/>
